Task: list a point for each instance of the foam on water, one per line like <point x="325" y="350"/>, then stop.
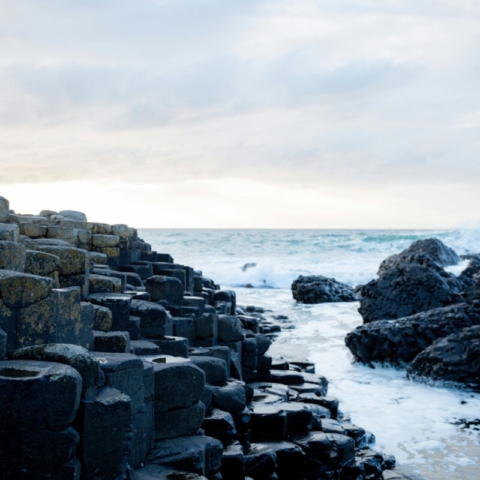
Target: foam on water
<point x="415" y="422"/>
<point x="350" y="256"/>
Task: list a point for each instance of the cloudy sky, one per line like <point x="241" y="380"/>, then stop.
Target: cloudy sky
<point x="242" y="113"/>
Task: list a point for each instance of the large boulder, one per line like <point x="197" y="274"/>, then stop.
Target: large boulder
<point x="406" y="289"/>
<point x="429" y="252"/>
<point x="319" y="289"/>
<point x="400" y="341"/>
<point x="455" y="358"/>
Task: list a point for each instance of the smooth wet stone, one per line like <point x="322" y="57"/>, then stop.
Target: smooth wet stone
<point x="112" y="342"/>
<point x="124" y="372"/>
<point x="215" y="368"/>
<point x="156" y="472"/>
<point x="206" y="326"/>
<point x="118" y="304"/>
<point x="228" y="296"/>
<point x="144" y="347"/>
<point x="37" y="395"/>
<point x="330" y="403"/>
<point x="179" y="422"/>
<point x="155" y="320"/>
<point x="184" y="327"/>
<point x="161" y="287"/>
<point x="220" y="425"/>
<point x="73" y="318"/>
<point x="298" y="416"/>
<point x="268" y="423"/>
<point x="287" y="377"/>
<point x="326" y="452"/>
<point x="73" y="355"/>
<point x="291" y="460"/>
<point x="198" y="454"/>
<point x="3" y="344"/>
<point x="175" y="346"/>
<point x="177" y="385"/>
<point x="233" y="462"/>
<point x="229" y="328"/>
<point x="230" y="397"/>
<point x="260" y="461"/>
<point x="105" y="426"/>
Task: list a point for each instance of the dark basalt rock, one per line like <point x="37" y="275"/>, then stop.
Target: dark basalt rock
<point x="407" y="289"/>
<point x="318" y="289"/>
<point x="399" y="341"/>
<point x="429" y="252"/>
<point x="455" y="358"/>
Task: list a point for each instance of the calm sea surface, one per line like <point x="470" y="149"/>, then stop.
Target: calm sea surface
<point x="418" y="424"/>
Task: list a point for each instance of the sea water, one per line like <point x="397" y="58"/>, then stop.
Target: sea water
<point x="422" y="425"/>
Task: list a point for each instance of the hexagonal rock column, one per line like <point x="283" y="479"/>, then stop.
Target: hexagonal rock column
<point x="105" y="425"/>
<point x="74" y="265"/>
<point x="73" y="355"/>
<point x="199" y="454"/>
<point x="327" y="453"/>
<point x="155" y="320"/>
<point x="179" y="386"/>
<point x="26" y="311"/>
<point x="118" y="304"/>
<point x="161" y="287"/>
<point x="38" y="402"/>
<point x="12" y="256"/>
<point x="125" y="373"/>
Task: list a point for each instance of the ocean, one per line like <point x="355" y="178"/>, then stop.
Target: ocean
<point x="422" y="425"/>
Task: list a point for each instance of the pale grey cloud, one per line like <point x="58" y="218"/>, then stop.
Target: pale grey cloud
<point x="348" y="92"/>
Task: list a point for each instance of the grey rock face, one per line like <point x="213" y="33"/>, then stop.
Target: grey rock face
<point x="318" y="289"/>
<point x="400" y="341"/>
<point x="404" y="290"/>
<point x="38" y="402"/>
<point x="455" y="358"/>
<point x="430" y="252"/>
<point x="4" y="209"/>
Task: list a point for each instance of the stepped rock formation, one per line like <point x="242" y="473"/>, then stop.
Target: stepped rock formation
<point x="116" y="362"/>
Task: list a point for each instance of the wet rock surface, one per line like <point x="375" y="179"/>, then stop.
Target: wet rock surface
<point x="455" y="358"/>
<point x="116" y="362"/>
<point x="404" y="290"/>
<point x="400" y="341"/>
<point x="318" y="289"/>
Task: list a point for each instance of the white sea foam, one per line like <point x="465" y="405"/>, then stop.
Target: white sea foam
<point x="350" y="256"/>
<point x="415" y="422"/>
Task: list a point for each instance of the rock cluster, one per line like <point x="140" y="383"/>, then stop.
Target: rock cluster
<point x="418" y="315"/>
<point x="318" y="289"/>
<point x="116" y="362"/>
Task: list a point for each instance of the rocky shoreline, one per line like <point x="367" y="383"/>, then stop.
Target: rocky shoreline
<point x="116" y="362"/>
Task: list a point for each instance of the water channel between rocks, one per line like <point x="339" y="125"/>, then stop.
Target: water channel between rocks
<point x="417" y="423"/>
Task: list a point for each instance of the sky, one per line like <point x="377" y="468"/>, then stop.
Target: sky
<point x="243" y="114"/>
